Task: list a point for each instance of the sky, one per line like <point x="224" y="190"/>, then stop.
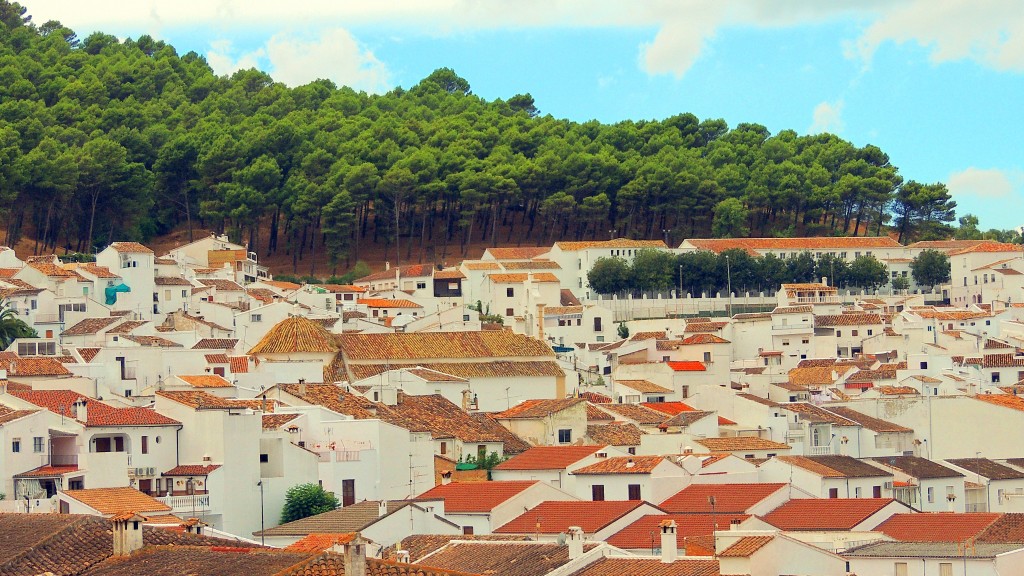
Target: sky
<point x="936" y="84"/>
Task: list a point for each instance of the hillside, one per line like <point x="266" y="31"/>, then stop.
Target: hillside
<point x="103" y="139"/>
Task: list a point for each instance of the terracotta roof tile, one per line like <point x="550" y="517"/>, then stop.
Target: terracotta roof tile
<point x="504" y="558"/>
<point x="531" y="265"/>
<point x="205" y="381"/>
<point x="746" y="546"/>
<point x="687" y="366"/>
<point x="518" y="252"/>
<point x="333" y="398"/>
<point x="130" y="247"/>
<point x="548" y="458"/>
<point x="478" y="497"/>
<point x="442" y="418"/>
<point x="555" y="517"/>
<point x="622" y="465"/>
<point x="797" y="244"/>
<point x="199" y="399"/>
<point x="637" y="536"/>
<point x="537" y="408"/>
<point x="615" y="434"/>
<point x="871" y="423"/>
<point x="90" y="326"/>
<point x="192" y="470"/>
<point x="99" y="414"/>
<point x="171" y="281"/>
<point x="918" y="467"/>
<point x="387" y="303"/>
<point x="216" y="344"/>
<point x="987" y="468"/>
<point x="830" y="320"/>
<point x="936" y="526"/>
<point x="729" y="498"/>
<point x="33" y="366"/>
<point x="295" y="334"/>
<point x="810" y="413"/>
<point x="221" y="284"/>
<point x="835" y="466"/>
<point x="650" y="567"/>
<point x="740" y="443"/>
<point x="821" y="514"/>
<point x="1008" y="528"/>
<point x="152" y="341"/>
<point x="436" y="345"/>
<point x="275" y="421"/>
<point x="636" y="413"/>
<point x="126" y="327"/>
<point x="116" y="500"/>
<point x="643" y="386"/>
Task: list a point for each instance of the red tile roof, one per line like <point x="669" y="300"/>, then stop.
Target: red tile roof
<point x="729" y="498"/>
<point x="205" y="381"/>
<point x="47" y="472"/>
<point x="746" y="546"/>
<point x="623" y="465"/>
<point x="537" y="408"/>
<point x="650" y="567"/>
<point x="638" y="534"/>
<point x="548" y="458"/>
<point x="704" y="338"/>
<point x="518" y="252"/>
<point x="936" y="526"/>
<point x="554" y="517"/>
<point x="670" y="408"/>
<point x="388" y="303"/>
<point x="99" y="414"/>
<point x="475" y="497"/>
<point x="117" y="500"/>
<point x="130" y="247"/>
<point x="798" y="244"/>
<point x="295" y="334"/>
<point x="825" y="513"/>
<point x="192" y="470"/>
<point x="687" y="366"/>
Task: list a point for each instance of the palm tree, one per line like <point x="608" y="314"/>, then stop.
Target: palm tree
<point x="12" y="327"/>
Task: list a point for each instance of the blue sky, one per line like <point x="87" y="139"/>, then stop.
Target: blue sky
<point x="937" y="84"/>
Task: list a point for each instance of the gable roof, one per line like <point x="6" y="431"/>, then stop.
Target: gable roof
<point x="553" y="517"/>
<point x="530" y="409"/>
<point x="205" y="381"/>
<point x="637" y="536"/>
<point x="476" y="497"/>
<point x="936" y="526"/>
<point x="441" y="417"/>
<point x="623" y="465"/>
<point x="615" y="434"/>
<point x="351" y="518"/>
<point x="835" y="466"/>
<point x="729" y="498"/>
<point x="825" y="513"/>
<point x="733" y="443"/>
<point x="611" y="566"/>
<point x="987" y="468"/>
<point x="440" y="345"/>
<point x="117" y="500"/>
<point x="90" y="326"/>
<point x="98" y="413"/>
<point x="131" y="248"/>
<point x="746" y="546"/>
<point x="640" y="414"/>
<point x="215" y="344"/>
<point x="548" y="458"/>
<point x="871" y="423"/>
<point x="918" y="467"/>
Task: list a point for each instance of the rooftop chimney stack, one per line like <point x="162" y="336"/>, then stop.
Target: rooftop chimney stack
<point x="382" y="508"/>
<point x="82" y="410"/>
<point x="446" y="477"/>
<point x="355" y="556"/>
<point x="734" y="524"/>
<point x="127" y="533"/>
<point x="194" y="526"/>
<point x="574" y="540"/>
<point x="302" y="386"/>
<point x="669" y="545"/>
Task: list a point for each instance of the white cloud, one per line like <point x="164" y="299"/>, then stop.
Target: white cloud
<point x="335" y="55"/>
<point x="223" y="59"/>
<point x="985" y="183"/>
<point x="989" y="31"/>
<point x="827" y="117"/>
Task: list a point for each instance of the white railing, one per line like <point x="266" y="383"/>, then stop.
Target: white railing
<point x="61" y="460"/>
<point x="129" y="373"/>
<point x="820" y="450"/>
<point x="198" y="502"/>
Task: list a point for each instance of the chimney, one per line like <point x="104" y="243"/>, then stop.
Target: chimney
<point x="355" y="556"/>
<point x="465" y="400"/>
<point x="669" y="544"/>
<point x="950" y="499"/>
<point x="382" y="508"/>
<point x="194" y="526"/>
<point x="734" y="524"/>
<point x="127" y="533"/>
<point x="630" y="463"/>
<point x="446" y="477"/>
<point x="575" y="542"/>
<point x="82" y="410"/>
<point x="824" y="280"/>
<point x="540" y="322"/>
<point x="302" y="386"/>
<point x="387" y="266"/>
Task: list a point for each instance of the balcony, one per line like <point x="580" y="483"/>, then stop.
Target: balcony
<point x="819" y="450"/>
<point x="187" y="504"/>
<point x="60" y="460"/>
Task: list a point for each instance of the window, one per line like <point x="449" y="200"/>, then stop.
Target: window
<point x="839" y="333"/>
<point x="264" y="458"/>
<point x="597" y="492"/>
<point x="444" y="447"/>
<point x="805" y="341"/>
<point x="631" y="450"/>
<point x="707" y="357"/>
<point x="510" y="292"/>
<point x="16" y="445"/>
<point x="597" y="324"/>
<point x="945" y="569"/>
<point x="870" y="332"/>
<point x="257" y="318"/>
<point x="995" y="377"/>
<point x="467" y="530"/>
<point x="509" y="312"/>
<point x="421" y="285"/>
<point x="167" y="295"/>
<point x="931" y="494"/>
<point x="853" y="333"/>
<point x="924" y="365"/>
<point x="465" y="317"/>
<point x="564" y="436"/>
<point x="785" y="342"/>
<point x="876" y="491"/>
<point x="145" y="444"/>
<point x="833" y="492"/>
<point x="856" y="492"/>
<point x="634" y="492"/>
<point x="899" y="569"/>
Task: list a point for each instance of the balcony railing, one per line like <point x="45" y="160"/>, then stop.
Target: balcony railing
<point x="188" y="503"/>
<point x="819" y="450"/>
<point x="60" y="460"/>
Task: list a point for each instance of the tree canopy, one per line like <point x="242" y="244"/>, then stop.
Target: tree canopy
<point x="306" y="500"/>
<point x="104" y="139"/>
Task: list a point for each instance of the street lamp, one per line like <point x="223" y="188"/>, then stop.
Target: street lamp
<point x="728" y="276"/>
<point x="665" y="233"/>
<point x="263" y="539"/>
<point x="611" y="234"/>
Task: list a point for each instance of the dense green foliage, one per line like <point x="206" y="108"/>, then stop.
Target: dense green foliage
<point x="12" y="328"/>
<point x="929" y="268"/>
<point x="103" y="139"/>
<point x="704" y="272"/>
<point x="307" y="500"/>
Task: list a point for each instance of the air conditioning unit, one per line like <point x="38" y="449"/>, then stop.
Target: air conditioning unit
<point x="887" y="485"/>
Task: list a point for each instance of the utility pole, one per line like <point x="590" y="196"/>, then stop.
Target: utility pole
<point x="728" y="275"/>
